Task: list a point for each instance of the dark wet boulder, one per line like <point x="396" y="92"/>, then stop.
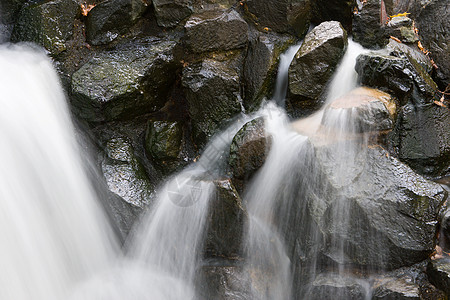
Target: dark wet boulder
<point x="226" y="223"/>
<point x="224" y="281"/>
<point x="434" y="32"/>
<point x="402" y="28"/>
<point x="213" y="94"/>
<point x="261" y="66"/>
<point x="439" y="273"/>
<point x="398" y="288"/>
<point x="109" y="19"/>
<point x="163" y="142"/>
<point x="368" y="24"/>
<point x="47" y="23"/>
<point x="334" y="286"/>
<point x="216" y="30"/>
<point x="315" y="61"/>
<point x="171" y="12"/>
<point x="9" y="11"/>
<point x="283" y="16"/>
<point x="402" y="50"/>
<point x="128" y="81"/>
<point x="367" y="109"/>
<point x="248" y="151"/>
<point x="125" y="174"/>
<point x="334" y="10"/>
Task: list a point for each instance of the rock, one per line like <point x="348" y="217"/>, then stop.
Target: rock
<point x="334" y="10"/>
<point x="109" y="19"/>
<point x="399" y="288"/>
<point x="315" y="61"/>
<point x="163" y="142"/>
<point x="434" y="32"/>
<point x="439" y="273"/>
<point x="402" y="28"/>
<point x="125" y="82"/>
<point x="125" y="175"/>
<point x="368" y="25"/>
<point x="9" y="11"/>
<point x="283" y="16"/>
<point x="216" y="30"/>
<point x="226" y="220"/>
<point x="171" y="12"/>
<point x="403" y="77"/>
<point x="411" y="53"/>
<point x="368" y="109"/>
<point x="213" y="95"/>
<point x="204" y="5"/>
<point x="261" y="66"/>
<point x="248" y="150"/>
<point x="224" y="282"/>
<point x="334" y="286"/>
<point x="48" y="23"/>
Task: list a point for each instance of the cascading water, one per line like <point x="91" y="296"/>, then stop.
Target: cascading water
<point x="54" y="233"/>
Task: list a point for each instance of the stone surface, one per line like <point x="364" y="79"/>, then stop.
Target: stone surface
<point x="124" y="82"/>
<point x="368" y="25"/>
<point x="261" y="66"/>
<point x="226" y="220"/>
<point x="109" y="19"/>
<point x="48" y="23"/>
<point x="284" y="16"/>
<point x="171" y="12"/>
<point x="434" y="32"/>
<point x="398" y="288"/>
<point x="334" y="10"/>
<point x="402" y="28"/>
<point x="216" y="30"/>
<point x="333" y="286"/>
<point x="368" y="109"/>
<point x="213" y="95"/>
<point x="439" y="273"/>
<point x="316" y="60"/>
<point x="9" y="11"/>
<point x="248" y="150"/>
<point x="125" y="175"/>
<point x="405" y="51"/>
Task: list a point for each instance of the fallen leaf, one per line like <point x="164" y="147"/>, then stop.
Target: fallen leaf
<point x="401" y="15"/>
<point x="395" y="39"/>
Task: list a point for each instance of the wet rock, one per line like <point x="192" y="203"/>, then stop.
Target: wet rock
<point x="334" y="286"/>
<point x="399" y="288"/>
<point x="388" y="206"/>
<point x="261" y="66"/>
<point x="368" y="25"/>
<point x="125" y="82"/>
<point x="109" y="19"/>
<point x="216" y="30"/>
<point x="163" y="142"/>
<point x="248" y="150"/>
<point x="316" y="60"/>
<point x="400" y="75"/>
<point x="412" y="53"/>
<point x="171" y="12"/>
<point x="224" y="282"/>
<point x="48" y="23"/>
<point x="367" y="109"/>
<point x="402" y="28"/>
<point x="283" y="16"/>
<point x="439" y="273"/>
<point x="213" y="95"/>
<point x="9" y="11"/>
<point x="334" y="10"/>
<point x="434" y="31"/>
<point x="227" y="218"/>
<point x="125" y="175"/>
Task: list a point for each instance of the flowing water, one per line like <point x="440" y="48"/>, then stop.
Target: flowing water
<point x="57" y="240"/>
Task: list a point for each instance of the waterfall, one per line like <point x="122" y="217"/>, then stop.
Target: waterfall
<point x="54" y="233"/>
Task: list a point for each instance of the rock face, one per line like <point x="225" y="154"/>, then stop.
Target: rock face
<point x="47" y="23"/>
<point x="439" y="273"/>
<point x="333" y="286"/>
<point x="125" y="175"/>
<point x="227" y="217"/>
<point x="125" y="82"/>
<point x="334" y="10"/>
<point x="368" y="24"/>
<point x="216" y="30"/>
<point x="284" y="16"/>
<point x="213" y="95"/>
<point x="9" y="11"/>
<point x="402" y="288"/>
<point x="261" y="65"/>
<point x="171" y="12"/>
<point x="248" y="150"/>
<point x="108" y="19"/>
<point x="315" y="61"/>
<point x="434" y="31"/>
<point x="368" y="110"/>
